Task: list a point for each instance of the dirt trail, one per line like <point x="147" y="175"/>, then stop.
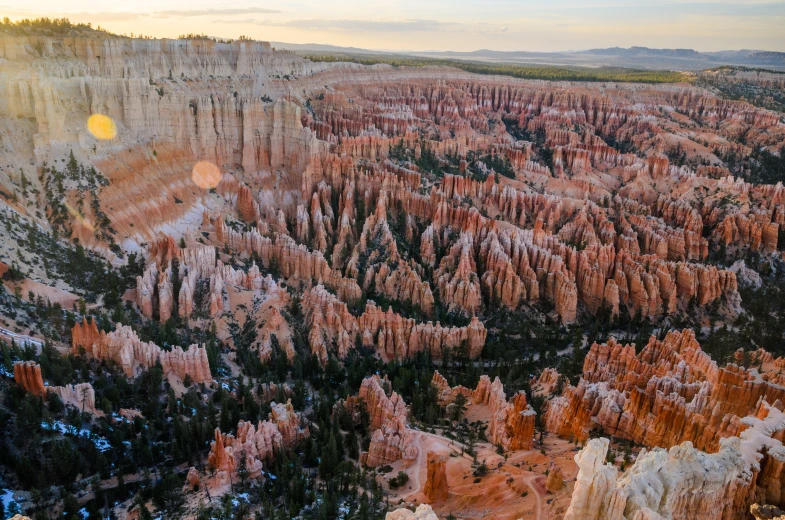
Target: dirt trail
<point x="417" y="466"/>
<point x="529" y="480"/>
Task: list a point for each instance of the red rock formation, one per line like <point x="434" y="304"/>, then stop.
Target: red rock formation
<point x="392" y="440"/>
<point x="459" y="285"/>
<point x="193" y="478"/>
<point x="125" y="348"/>
<point x="390" y="443"/>
<point x="555" y="480"/>
<point x="446" y="394"/>
<point x="281" y="431"/>
<point x="512" y="423"/>
<point x="27" y="374"/>
<point x="720" y="485"/>
<point x="391" y="335"/>
<point x="669" y="393"/>
<point x="546" y="383"/>
<point x="436" y="488"/>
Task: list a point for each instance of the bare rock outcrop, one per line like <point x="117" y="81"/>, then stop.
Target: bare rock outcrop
<point x="446" y="393"/>
<point x="423" y="512"/>
<point x="27" y="374"/>
<point x="767" y="512"/>
<point x="436" y="488"/>
<point x="512" y="422"/>
<point x="683" y="482"/>
<point x="392" y="440"/>
<point x="193" y="478"/>
<point x="256" y="444"/>
<point x="80" y="396"/>
<point x="125" y="348"/>
<point x="668" y="393"/>
<point x="555" y="479"/>
<point x="334" y="328"/>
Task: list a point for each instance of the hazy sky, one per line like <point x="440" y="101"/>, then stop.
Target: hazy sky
<point x="463" y="25"/>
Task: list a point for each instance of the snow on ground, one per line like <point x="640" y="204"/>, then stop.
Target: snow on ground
<point x="66" y="429"/>
<point x="7" y="498"/>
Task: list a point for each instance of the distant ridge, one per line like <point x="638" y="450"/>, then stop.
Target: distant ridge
<point x="632" y="57"/>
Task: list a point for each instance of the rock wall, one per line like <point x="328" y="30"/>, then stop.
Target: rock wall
<point x="392" y="440"/>
<point x="436" y="488"/>
<point x="668" y="393"/>
<point x="392" y="336"/>
<point x="27" y="374"/>
<point x="512" y="422"/>
<point x="124" y="347"/>
<point x="268" y="439"/>
<point x="423" y="512"/>
<point x="683" y="482"/>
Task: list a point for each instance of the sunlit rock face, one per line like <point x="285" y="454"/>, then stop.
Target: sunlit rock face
<point x="684" y="482"/>
<point x="436" y="487"/>
<point x="668" y="393"/>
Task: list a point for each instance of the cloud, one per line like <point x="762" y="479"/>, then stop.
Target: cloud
<point x="122" y="16"/>
<point x="94" y="17"/>
<point x="373" y="26"/>
<point x="216" y="12"/>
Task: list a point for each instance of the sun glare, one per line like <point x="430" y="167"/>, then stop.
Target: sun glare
<point x="102" y="126"/>
<point x="206" y="175"/>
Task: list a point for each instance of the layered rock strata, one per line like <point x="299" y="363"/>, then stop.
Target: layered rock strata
<point x="391" y="440"/>
<point x="668" y="393"/>
<point x="436" y="488"/>
<point x="683" y="482"/>
<point x="257" y="443"/>
<point x="124" y="347"/>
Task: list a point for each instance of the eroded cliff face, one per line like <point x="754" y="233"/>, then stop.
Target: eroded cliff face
<point x="423" y="512"/>
<point x="396" y="210"/>
<point x="436" y="487"/>
<point x="684" y="482"/>
<point x="329" y="199"/>
<point x="124" y="347"/>
<point x="257" y="443"/>
<point x="714" y="439"/>
<point x="391" y="440"/>
<point x="334" y="328"/>
<point x="27" y="374"/>
<point x="511" y="423"/>
<point x="669" y="393"/>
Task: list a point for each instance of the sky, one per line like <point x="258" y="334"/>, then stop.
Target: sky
<point x="457" y="25"/>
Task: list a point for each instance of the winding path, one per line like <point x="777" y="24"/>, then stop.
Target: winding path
<point x="417" y="467"/>
<point x="20" y="338"/>
<point x="529" y="481"/>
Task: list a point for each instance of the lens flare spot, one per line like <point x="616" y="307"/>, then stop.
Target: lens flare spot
<point x="101" y="126"/>
<point x="206" y="175"/>
<point x="79" y="218"/>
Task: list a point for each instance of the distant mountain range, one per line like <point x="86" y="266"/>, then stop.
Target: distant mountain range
<point x="633" y="57"/>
